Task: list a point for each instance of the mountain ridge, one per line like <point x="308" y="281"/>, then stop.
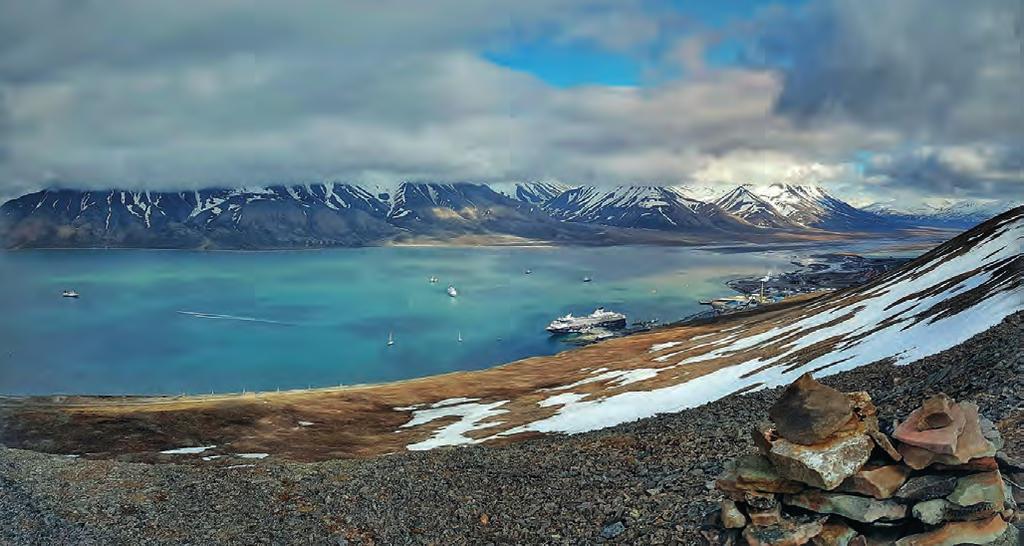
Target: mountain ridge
<point x="339" y="214"/>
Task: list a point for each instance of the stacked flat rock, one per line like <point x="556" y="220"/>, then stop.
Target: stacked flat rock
<point x="826" y="475"/>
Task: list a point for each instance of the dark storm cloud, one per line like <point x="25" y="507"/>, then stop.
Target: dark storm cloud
<point x="935" y="70"/>
<point x="965" y="172"/>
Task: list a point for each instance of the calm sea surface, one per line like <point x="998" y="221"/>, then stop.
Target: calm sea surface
<point x="171" y="322"/>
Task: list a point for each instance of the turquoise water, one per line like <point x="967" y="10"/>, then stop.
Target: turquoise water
<point x="172" y="322"/>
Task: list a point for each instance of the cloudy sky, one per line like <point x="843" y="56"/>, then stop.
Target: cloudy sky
<point x="874" y="99"/>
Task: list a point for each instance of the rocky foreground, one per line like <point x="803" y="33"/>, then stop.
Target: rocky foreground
<point x="647" y="482"/>
<point x="828" y="473"/>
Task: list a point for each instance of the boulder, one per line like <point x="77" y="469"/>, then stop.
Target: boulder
<point x="986" y="531"/>
<point x="981" y="464"/>
<point x="986" y="487"/>
<point x="732" y="517"/>
<point x="809" y="412"/>
<point x="785" y="533"/>
<point x="835" y="532"/>
<point x="936" y="412"/>
<point x="766" y="517"/>
<point x="853" y="507"/>
<point x="879" y="482"/>
<point x="760" y="501"/>
<point x="972" y="443"/>
<point x="936" y="511"/>
<point x="927" y="487"/>
<point x="942" y="440"/>
<point x="824" y="465"/>
<point x="885" y="444"/>
<point x="754" y="473"/>
<point x="865" y="410"/>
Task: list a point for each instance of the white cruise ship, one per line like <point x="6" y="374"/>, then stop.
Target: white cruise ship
<point x="600" y="318"/>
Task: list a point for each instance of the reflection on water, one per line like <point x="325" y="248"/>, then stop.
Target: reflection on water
<point x="172" y="321"/>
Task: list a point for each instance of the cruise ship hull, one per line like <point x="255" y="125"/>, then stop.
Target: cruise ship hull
<point x="584" y="326"/>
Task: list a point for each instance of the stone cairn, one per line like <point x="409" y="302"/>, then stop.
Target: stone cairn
<point x="826" y="474"/>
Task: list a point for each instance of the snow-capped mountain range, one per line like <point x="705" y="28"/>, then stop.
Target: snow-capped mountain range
<point x="945" y="212"/>
<point x="755" y="209"/>
<point x="337" y="214"/>
<point x="646" y="207"/>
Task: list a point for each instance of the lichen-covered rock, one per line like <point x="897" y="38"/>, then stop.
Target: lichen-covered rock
<point x="785" y="533"/>
<point x="986" y="531"/>
<point x="766" y="517"/>
<point x="936" y="511"/>
<point x="754" y="473"/>
<point x="853" y="507"/>
<point x="986" y="487"/>
<point x="809" y="412"/>
<point x="824" y="465"/>
<point x="927" y="487"/>
<point x="835" y="532"/>
<point x="879" y="482"/>
<point x="732" y="517"/>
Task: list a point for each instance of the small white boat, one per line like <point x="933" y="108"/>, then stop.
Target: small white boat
<point x="460" y="336"/>
<point x="452" y="291"/>
<point x="69" y="294"/>
<point x="527" y="272"/>
<point x="433" y="280"/>
<point x="391" y="339"/>
<point x="586" y="279"/>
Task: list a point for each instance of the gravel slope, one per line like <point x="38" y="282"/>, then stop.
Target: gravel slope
<point x="644" y="482"/>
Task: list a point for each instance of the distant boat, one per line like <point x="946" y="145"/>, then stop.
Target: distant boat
<point x="527" y="272"/>
<point x="391" y="339"/>
<point x="452" y="291"/>
<point x="69" y="294"/>
<point x="460" y="336"/>
<point x="433" y="280"/>
<point x="586" y="279"/>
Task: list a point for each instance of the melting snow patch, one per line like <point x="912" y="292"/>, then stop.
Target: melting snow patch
<point x="561" y="399"/>
<point x="252" y="455"/>
<point x="662" y="346"/>
<point x="211" y="457"/>
<point x="186" y="450"/>
<point x="453" y="401"/>
<point x="470" y="416"/>
<point x="618" y="377"/>
<point x="305" y="423"/>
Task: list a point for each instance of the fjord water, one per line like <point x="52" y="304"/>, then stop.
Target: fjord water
<point x="168" y="322"/>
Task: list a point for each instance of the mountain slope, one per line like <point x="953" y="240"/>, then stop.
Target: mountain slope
<point x="647" y="207"/>
<point x="278" y="216"/>
<point x="944" y="214"/>
<point x="814" y="207"/>
<point x="534" y="193"/>
<point x="741" y="202"/>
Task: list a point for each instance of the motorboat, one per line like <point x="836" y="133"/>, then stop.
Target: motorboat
<point x="452" y="291"/>
<point x="69" y="294"/>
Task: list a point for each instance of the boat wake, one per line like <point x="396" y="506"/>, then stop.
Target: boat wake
<point x="216" y="316"/>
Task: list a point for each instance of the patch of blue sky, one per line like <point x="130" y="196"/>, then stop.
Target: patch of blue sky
<point x="568" y="65"/>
